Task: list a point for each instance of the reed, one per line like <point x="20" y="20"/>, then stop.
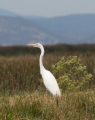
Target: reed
<point x="40" y="106"/>
<point x="24" y="97"/>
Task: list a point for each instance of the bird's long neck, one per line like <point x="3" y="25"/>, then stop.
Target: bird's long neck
<point x="41" y="60"/>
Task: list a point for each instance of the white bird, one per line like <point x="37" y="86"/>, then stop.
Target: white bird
<point x="48" y="78"/>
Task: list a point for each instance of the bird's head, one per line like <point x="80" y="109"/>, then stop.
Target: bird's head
<point x="35" y="45"/>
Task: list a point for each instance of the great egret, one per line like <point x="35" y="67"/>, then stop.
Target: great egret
<point x="48" y="78"/>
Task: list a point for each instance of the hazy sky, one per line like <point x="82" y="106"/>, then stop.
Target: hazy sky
<point x="48" y="8"/>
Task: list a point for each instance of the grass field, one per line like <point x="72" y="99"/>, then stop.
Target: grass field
<point x="41" y="106"/>
<point x="24" y="97"/>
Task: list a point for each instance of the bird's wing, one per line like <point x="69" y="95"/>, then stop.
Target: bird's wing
<point x="50" y="82"/>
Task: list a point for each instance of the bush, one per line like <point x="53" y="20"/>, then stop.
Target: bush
<point x="71" y="74"/>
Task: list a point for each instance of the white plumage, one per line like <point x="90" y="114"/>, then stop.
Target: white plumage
<point x="48" y="78"/>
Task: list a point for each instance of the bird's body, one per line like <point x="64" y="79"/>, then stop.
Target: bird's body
<point x="48" y="78"/>
<point x="50" y="83"/>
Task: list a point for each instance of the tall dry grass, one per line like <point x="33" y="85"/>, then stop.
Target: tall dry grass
<point x="24" y="97"/>
<point x="39" y="106"/>
<point x="20" y="72"/>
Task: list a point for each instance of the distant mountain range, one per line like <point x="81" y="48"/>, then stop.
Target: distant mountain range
<point x="7" y="13"/>
<point x="71" y="29"/>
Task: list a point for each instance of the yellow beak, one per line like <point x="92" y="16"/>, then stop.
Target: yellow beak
<point x="32" y="45"/>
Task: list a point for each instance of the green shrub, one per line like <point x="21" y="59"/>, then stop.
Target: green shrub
<point x="71" y="74"/>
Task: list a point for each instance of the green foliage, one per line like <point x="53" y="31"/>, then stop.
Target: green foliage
<point x="71" y="73"/>
<point x="36" y="106"/>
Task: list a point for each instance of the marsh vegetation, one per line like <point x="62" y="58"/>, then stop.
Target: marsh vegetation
<point x="23" y="95"/>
